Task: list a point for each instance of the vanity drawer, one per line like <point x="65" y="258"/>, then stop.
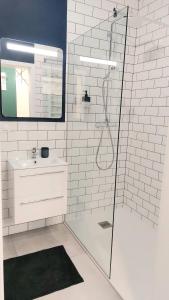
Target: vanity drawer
<point x="46" y="208"/>
<point x="44" y="184"/>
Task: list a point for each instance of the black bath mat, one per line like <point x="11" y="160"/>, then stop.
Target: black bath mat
<point x="38" y="274"/>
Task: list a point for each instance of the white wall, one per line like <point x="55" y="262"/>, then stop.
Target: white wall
<point x="161" y="286"/>
<point x="146" y="109"/>
<point x="90" y="190"/>
<point x="18" y="138"/>
<point x="149" y="112"/>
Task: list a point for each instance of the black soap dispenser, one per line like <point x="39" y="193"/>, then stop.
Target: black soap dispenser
<point x="44" y="152"/>
<point x="86" y="97"/>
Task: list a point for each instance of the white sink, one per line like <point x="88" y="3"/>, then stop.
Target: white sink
<point x="18" y="164"/>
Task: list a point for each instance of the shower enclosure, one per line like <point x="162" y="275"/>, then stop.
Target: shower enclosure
<point x="96" y="67"/>
<point x="117" y="115"/>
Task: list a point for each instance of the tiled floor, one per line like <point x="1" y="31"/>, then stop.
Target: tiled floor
<point x="95" y="286"/>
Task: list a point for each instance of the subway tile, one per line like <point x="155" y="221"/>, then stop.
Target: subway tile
<point x="17" y="135"/>
<point x="27" y="125"/>
<point x="84" y="9"/>
<point x="18" y="228"/>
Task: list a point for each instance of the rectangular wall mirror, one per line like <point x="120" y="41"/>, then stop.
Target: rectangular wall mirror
<point x="31" y="81"/>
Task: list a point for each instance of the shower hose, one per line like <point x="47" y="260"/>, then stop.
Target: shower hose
<point x="105" y="94"/>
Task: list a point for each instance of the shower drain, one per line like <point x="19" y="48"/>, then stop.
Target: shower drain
<point x="105" y="224"/>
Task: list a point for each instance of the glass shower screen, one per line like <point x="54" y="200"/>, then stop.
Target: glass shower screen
<point x="94" y="99"/>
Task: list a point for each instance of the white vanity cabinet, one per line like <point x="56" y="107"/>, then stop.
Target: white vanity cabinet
<point x="37" y="191"/>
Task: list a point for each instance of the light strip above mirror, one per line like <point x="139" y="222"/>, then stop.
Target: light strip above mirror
<point x="31" y="50"/>
<point x="98" y="61"/>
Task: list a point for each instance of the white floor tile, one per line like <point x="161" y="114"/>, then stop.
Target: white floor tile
<point x="33" y="241"/>
<point x="9" y="250"/>
<point x="94" y="287"/>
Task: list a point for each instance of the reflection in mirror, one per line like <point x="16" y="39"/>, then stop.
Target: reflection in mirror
<point x="31" y="80"/>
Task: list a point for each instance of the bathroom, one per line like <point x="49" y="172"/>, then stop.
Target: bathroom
<point x="84" y="169"/>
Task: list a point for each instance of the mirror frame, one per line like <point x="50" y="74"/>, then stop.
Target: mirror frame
<point x="36" y="119"/>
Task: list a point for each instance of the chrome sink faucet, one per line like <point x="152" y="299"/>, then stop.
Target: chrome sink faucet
<point x="34" y="153"/>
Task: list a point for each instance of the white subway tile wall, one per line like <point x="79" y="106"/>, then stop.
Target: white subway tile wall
<point x="149" y="112"/>
<point x="91" y="190"/>
<point x="47" y="87"/>
<point x="18" y="138"/>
